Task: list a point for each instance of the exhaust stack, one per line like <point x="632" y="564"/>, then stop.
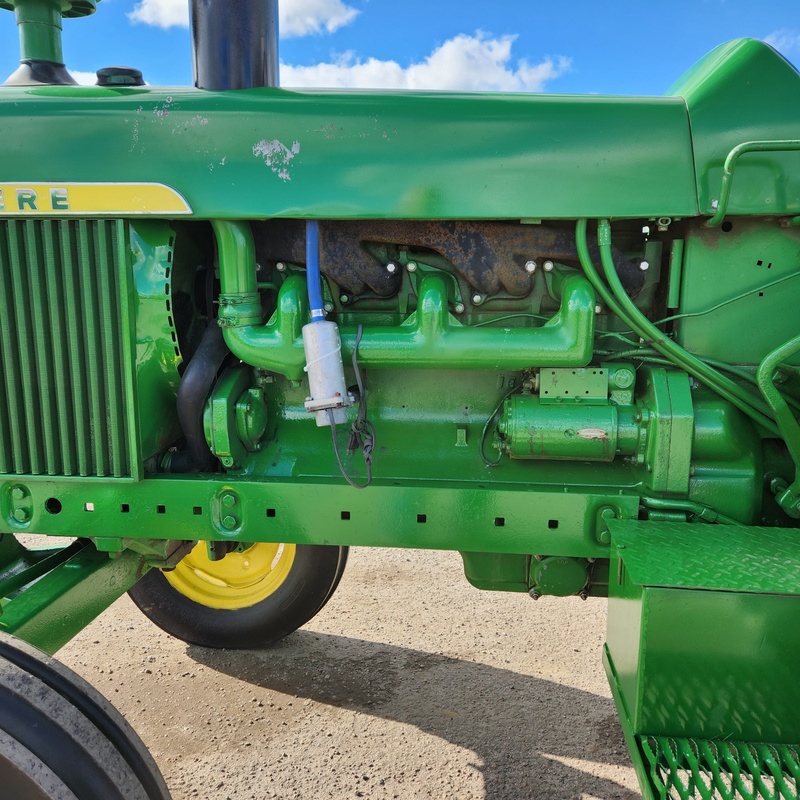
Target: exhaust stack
<point x="234" y="44"/>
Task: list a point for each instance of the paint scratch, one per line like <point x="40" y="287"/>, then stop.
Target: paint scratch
<point x="277" y="156"/>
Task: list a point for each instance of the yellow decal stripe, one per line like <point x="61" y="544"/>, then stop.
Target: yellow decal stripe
<point x="95" y="199"/>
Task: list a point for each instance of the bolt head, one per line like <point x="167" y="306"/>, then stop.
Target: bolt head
<point x="328" y="306"/>
<point x="230" y="522"/>
<point x="477" y="299"/>
<point x="624" y="378"/>
<point x="18" y="493"/>
<point x="391" y="267"/>
<point x="459" y="308"/>
<point x="280" y="266"/>
<point x="644" y="266"/>
<point x="598" y="309"/>
<point x="530" y="266"/>
<point x="21" y="515"/>
<point x="548" y="266"/>
<point x="411" y="266"/>
<point x="229" y="500"/>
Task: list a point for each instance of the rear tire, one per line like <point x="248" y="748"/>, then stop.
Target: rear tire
<point x="60" y="739"/>
<point x="247" y="600"/>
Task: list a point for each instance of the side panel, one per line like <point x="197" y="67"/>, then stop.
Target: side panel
<point x="271" y="153"/>
<point x="744" y="91"/>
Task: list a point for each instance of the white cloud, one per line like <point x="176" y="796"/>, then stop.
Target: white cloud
<point x="297" y="17"/>
<point x="463" y="63"/>
<point x="304" y="17"/>
<point x="161" y="13"/>
<point x="785" y="41"/>
<point x="84" y="78"/>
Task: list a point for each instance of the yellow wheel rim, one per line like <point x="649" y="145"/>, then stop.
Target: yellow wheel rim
<point x="239" y="580"/>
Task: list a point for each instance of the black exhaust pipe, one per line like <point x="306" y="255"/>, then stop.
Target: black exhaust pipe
<point x="234" y="44"/>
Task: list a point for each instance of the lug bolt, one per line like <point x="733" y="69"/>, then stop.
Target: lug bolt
<point x="644" y="266"/>
<point x="459" y="308"/>
<point x="230" y="522"/>
<point x="280" y="266"/>
<point x="530" y="266"/>
<point x="548" y="266"/>
<point x="411" y="266"/>
<point x="391" y="267"/>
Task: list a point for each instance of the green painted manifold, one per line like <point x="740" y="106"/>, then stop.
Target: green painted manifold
<point x="570" y="440"/>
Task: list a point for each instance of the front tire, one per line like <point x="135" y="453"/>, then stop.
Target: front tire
<point x="60" y="739"/>
<point x="245" y="600"/>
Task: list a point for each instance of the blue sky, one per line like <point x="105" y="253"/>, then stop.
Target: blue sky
<point x="574" y="46"/>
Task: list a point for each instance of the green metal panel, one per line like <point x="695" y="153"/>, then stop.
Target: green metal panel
<point x="62" y="602"/>
<point x="723" y="558"/>
<point x="158" y="352"/>
<point x="270" y="152"/>
<point x="712" y="662"/>
<point x="67" y="399"/>
<point x="681" y="768"/>
<point x="668" y="446"/>
<point x="740" y="92"/>
<point x="733" y="282"/>
<point x="419" y="514"/>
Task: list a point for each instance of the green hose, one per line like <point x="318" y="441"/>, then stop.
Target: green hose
<point x="786" y="420"/>
<point x="702" y="512"/>
<point x="620" y="304"/>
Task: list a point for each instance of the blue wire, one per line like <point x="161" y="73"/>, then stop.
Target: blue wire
<point x="312" y="271"/>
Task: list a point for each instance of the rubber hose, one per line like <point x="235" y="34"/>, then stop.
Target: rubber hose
<point x="196" y="384"/>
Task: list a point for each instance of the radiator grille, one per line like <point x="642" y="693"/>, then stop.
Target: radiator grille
<point x="66" y="400"/>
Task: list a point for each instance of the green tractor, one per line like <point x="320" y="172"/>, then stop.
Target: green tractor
<point x="364" y="326"/>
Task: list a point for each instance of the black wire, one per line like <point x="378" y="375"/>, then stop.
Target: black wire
<point x="362" y="431"/>
<point x="492" y="416"/>
<point x="339" y="458"/>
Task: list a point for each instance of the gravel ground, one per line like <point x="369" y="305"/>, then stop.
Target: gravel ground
<point x="409" y="684"/>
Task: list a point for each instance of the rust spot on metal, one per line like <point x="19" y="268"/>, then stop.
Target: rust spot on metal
<point x="489" y="256"/>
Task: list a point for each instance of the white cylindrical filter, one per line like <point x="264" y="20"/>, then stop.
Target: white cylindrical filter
<point x="326" y="383"/>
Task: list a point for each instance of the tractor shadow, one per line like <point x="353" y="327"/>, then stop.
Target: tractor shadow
<point x="519" y="727"/>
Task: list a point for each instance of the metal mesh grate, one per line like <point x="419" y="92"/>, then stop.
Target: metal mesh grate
<point x="705" y="769"/>
<point x="65" y="401"/>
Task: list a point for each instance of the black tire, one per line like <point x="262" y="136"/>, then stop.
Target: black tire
<point x="311" y="580"/>
<point x="60" y="739"/>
